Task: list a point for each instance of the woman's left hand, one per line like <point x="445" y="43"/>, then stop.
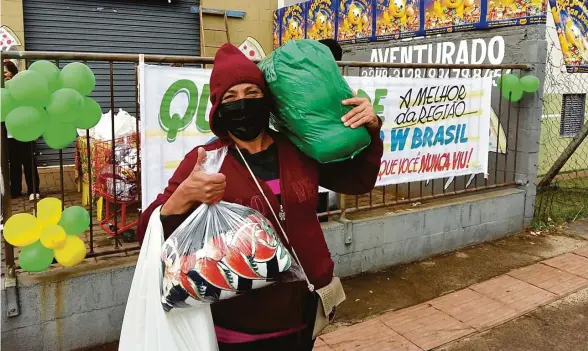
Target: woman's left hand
<point x="361" y="114"/>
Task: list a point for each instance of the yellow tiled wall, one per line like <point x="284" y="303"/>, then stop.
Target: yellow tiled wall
<point x="257" y="23"/>
<point x="11" y="16"/>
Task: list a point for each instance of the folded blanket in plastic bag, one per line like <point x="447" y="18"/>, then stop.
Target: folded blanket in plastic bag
<point x="309" y="88"/>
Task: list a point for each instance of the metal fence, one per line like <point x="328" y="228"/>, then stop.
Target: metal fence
<point x="563" y="157"/>
<point x="502" y="160"/>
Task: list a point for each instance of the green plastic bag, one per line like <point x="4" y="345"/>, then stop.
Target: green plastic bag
<point x="309" y="88"/>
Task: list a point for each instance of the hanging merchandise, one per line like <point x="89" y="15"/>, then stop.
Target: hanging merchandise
<point x="309" y="89"/>
<point x="220" y="251"/>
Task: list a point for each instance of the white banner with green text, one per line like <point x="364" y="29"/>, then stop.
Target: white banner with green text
<point x="432" y="128"/>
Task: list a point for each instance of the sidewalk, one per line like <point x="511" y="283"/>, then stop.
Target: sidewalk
<point x="465" y="312"/>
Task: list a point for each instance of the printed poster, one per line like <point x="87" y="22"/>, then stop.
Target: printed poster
<point x="293" y="22"/>
<point x="277" y="34"/>
<point x="355" y="21"/>
<point x="397" y="19"/>
<point x="431" y="129"/>
<point x="321" y="19"/>
<point x="447" y="16"/>
<point x="571" y="23"/>
<point x="501" y="13"/>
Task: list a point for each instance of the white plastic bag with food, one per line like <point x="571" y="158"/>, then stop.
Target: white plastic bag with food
<point x="221" y="251"/>
<point x="146" y="327"/>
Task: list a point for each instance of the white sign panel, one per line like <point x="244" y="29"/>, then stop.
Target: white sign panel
<point x="432" y="128"/>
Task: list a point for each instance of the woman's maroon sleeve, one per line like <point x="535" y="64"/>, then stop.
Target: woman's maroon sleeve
<point x="358" y="175"/>
<point x="171" y="222"/>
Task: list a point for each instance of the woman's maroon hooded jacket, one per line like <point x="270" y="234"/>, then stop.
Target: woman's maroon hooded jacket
<point x="300" y="178"/>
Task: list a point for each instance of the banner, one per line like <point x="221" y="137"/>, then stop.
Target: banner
<point x="397" y="19"/>
<point x="357" y="21"/>
<point x="277" y="29"/>
<point x="571" y="22"/>
<point x="293" y="23"/>
<point x="447" y="16"/>
<point x="502" y="13"/>
<point x="432" y="128"/>
<point x="321" y="19"/>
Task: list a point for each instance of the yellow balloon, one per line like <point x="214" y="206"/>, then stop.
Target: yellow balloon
<point x="22" y="229"/>
<point x="53" y="236"/>
<point x="72" y="252"/>
<point x="49" y="211"/>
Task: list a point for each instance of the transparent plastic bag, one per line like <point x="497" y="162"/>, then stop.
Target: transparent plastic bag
<point x="221" y="251"/>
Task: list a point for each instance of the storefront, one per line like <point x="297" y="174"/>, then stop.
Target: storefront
<point x="110" y="26"/>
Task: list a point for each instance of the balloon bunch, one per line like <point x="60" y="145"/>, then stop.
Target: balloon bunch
<point x="514" y="87"/>
<point x="52" y="234"/>
<point x="44" y="101"/>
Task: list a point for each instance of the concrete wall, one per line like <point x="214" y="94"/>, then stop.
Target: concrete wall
<point x="513" y="45"/>
<point x="257" y="23"/>
<point x="72" y="309"/>
<point x="363" y="245"/>
<point x="11" y="16"/>
<point x="84" y="306"/>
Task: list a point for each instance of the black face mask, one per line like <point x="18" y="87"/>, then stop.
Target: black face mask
<point x="244" y="118"/>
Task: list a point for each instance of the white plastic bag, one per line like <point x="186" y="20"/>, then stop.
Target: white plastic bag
<point x="146" y="327"/>
<point x="124" y="124"/>
<point x="221" y="251"/>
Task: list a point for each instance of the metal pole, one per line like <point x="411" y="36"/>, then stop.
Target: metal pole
<point x="113" y="155"/>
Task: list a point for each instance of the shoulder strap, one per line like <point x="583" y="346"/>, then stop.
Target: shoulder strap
<point x="310" y="286"/>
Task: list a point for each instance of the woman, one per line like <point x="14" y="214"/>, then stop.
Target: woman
<point x="20" y="155"/>
<point x="281" y="316"/>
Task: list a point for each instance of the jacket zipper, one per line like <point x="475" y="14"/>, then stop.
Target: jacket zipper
<point x="282" y="213"/>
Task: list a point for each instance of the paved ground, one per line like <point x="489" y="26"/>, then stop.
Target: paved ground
<point x="402" y="287"/>
<point x="485" y="305"/>
<point x="559" y="326"/>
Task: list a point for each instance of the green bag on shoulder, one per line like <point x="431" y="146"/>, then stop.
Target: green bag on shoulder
<point x="309" y="88"/>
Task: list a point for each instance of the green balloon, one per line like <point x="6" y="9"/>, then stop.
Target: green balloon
<point x="35" y="257"/>
<point x="508" y="82"/>
<point x="65" y="105"/>
<point x="7" y="103"/>
<point x="530" y="84"/>
<point x="79" y="77"/>
<point x="59" y="136"/>
<point x="513" y="95"/>
<point x="75" y="220"/>
<point x="30" y="88"/>
<point x="89" y="115"/>
<point x="49" y="70"/>
<point x="511" y="87"/>
<point x="26" y="123"/>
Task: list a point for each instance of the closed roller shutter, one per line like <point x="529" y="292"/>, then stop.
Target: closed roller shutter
<point x="110" y="26"/>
